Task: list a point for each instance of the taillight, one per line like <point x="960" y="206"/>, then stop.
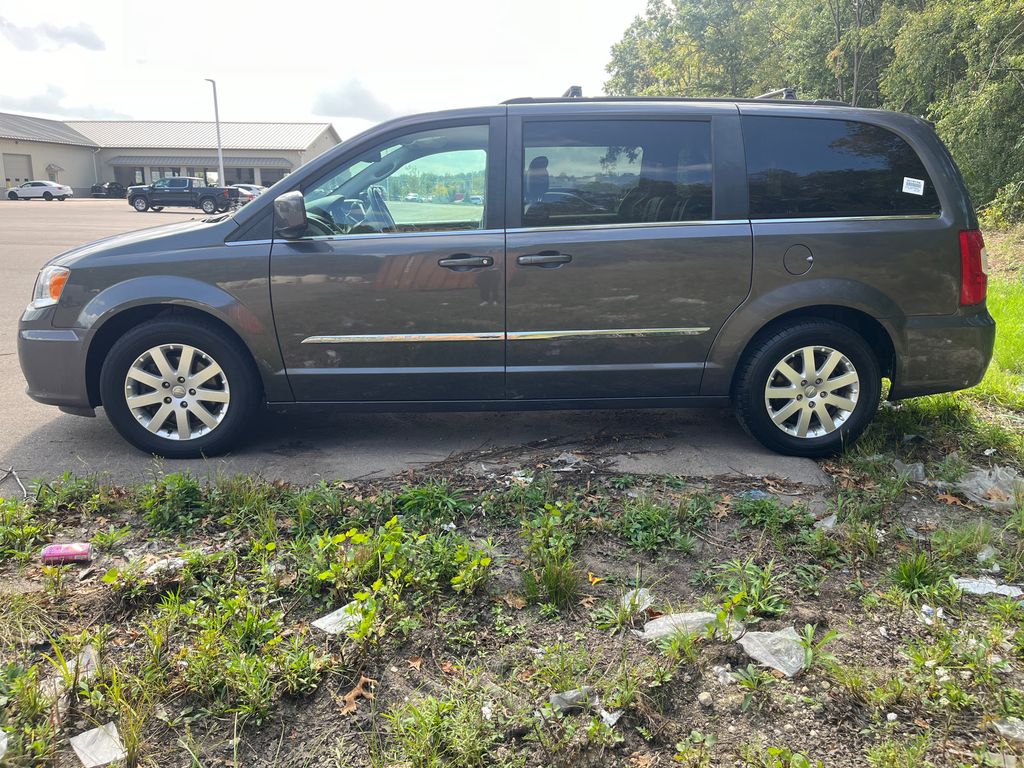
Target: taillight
<point x="973" y="267"/>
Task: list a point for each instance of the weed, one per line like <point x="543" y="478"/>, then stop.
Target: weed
<point x="474" y="567"/>
<point x="756" y="683"/>
<point x="126" y="583"/>
<point x="620" y="614"/>
<point x="68" y="492"/>
<point x="53" y="580"/>
<point x="814" y="650"/>
<point x="551" y="576"/>
<point x="770" y="514"/>
<point x="431" y="503"/>
<point x="809" y="578"/>
<point x="681" y="646"/>
<point x="776" y="757"/>
<point x="649" y="526"/>
<point x="21" y="531"/>
<point x="755" y="584"/>
<point x="696" y="750"/>
<point x="448" y="731"/>
<point x="895" y="754"/>
<point x="917" y="574"/>
<point x="110" y="539"/>
<point x="962" y="545"/>
<point x="173" y="502"/>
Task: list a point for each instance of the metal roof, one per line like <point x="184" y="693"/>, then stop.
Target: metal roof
<point x="145" y="134"/>
<point x="27" y="128"/>
<point x="209" y="162"/>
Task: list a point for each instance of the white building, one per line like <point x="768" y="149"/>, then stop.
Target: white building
<point x="81" y="153"/>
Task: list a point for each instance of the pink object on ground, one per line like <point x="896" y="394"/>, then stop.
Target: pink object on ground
<point x="78" y="552"/>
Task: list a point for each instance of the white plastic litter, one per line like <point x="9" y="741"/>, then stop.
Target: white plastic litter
<point x="671" y="623"/>
<point x="914" y="472"/>
<point x="931" y="616"/>
<point x="637" y="600"/>
<point x="575" y="700"/>
<point x="167" y="568"/>
<point x="3" y="744"/>
<point x="827" y="523"/>
<point x="987" y="586"/>
<point x="996" y="488"/>
<point x="779" y="650"/>
<point x="1010" y="729"/>
<point x="100" y="746"/>
<point x="342" y="620"/>
<point x="723" y="675"/>
<point x="988" y="552"/>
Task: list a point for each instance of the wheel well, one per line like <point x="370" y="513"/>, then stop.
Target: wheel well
<point x="868" y="327"/>
<point x="124" y="321"/>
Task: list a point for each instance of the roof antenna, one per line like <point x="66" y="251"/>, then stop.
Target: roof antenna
<point x="573" y="92"/>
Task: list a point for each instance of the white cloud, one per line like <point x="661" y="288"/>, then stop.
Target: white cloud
<point x="352" y="99"/>
<point x="48" y="36"/>
<point x="49" y="103"/>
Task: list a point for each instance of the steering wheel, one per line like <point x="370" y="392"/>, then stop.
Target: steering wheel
<point x="378" y="215"/>
<point x="319" y="225"/>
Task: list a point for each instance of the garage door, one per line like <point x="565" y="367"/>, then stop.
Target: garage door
<point x="17" y="168"/>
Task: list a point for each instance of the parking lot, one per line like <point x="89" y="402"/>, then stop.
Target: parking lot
<point x="38" y="440"/>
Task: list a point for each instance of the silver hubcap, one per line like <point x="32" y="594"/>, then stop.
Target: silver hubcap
<point x="812" y="392"/>
<point x="177" y="392"/>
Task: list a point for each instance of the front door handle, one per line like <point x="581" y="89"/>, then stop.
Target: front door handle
<point x="463" y="262"/>
<point x="545" y="259"/>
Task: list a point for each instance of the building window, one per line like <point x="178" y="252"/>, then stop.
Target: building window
<point x="139" y="174"/>
<point x="240" y="175"/>
<point x="164" y="173"/>
<point x="208" y="175"/>
<point x="269" y="176"/>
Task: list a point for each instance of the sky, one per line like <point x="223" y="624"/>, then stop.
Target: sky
<point x="353" y="64"/>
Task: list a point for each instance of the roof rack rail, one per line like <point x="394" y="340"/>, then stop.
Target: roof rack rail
<point x="788" y="93"/>
<point x="682" y="99"/>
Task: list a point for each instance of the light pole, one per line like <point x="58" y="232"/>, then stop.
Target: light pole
<point x="216" y="117"/>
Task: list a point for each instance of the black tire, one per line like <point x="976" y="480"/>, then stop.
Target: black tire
<point x="62" y="198"/>
<point x="47" y="196"/>
<point x="12" y="195"/>
<point x="208" y="204"/>
<point x="140" y="204"/>
<point x="233" y="359"/>
<point x="768" y="350"/>
<point x="156" y="208"/>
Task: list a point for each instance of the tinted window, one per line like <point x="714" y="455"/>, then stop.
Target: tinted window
<point x="806" y="167"/>
<point x="592" y="172"/>
<point x="178" y="183"/>
<point x="428" y="181"/>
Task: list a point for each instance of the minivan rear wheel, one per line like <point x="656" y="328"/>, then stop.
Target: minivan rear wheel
<point x="808" y="390"/>
<point x="179" y="388"/>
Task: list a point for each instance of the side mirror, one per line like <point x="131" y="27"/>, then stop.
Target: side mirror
<point x="290" y="215"/>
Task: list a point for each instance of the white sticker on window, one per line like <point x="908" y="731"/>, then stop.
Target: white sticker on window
<point x="913" y="186"/>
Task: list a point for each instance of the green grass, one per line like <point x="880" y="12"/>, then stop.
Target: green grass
<point x="1004" y="382"/>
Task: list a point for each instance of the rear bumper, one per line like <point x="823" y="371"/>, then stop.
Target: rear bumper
<point x="53" y="361"/>
<point x="943" y="354"/>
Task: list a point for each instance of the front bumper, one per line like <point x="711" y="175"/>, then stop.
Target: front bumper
<point x="53" y="361"/>
<point x="943" y="353"/>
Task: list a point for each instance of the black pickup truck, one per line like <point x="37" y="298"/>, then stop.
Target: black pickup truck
<point x="183" y="192"/>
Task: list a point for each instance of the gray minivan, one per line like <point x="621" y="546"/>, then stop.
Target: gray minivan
<point x="781" y="257"/>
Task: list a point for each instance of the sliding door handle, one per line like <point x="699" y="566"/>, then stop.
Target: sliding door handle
<point x="548" y="259"/>
<point x="462" y="262"/>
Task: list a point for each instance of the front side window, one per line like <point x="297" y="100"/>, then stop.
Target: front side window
<point x="594" y="172"/>
<point x="428" y="181"/>
<point x="160" y="184"/>
<point x="799" y="167"/>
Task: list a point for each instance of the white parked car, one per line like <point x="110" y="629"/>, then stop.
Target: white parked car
<point x="48" y="190"/>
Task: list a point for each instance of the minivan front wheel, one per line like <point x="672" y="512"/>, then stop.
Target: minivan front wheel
<point x="178" y="388"/>
<point x="808" y="390"/>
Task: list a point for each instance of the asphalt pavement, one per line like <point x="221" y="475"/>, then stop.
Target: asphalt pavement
<point x="40" y="441"/>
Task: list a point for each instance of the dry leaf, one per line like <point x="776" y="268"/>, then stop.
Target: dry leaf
<point x="448" y="668"/>
<point x="526" y="674"/>
<point x="594" y="579"/>
<point x="514" y="601"/>
<point x="997" y="494"/>
<point x="587" y="600"/>
<point x="416" y="662"/>
<point x="949" y="498"/>
<point x="921" y="723"/>
<point x="360" y="691"/>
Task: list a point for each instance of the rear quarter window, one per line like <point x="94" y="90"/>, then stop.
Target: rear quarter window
<point x="812" y="167"/>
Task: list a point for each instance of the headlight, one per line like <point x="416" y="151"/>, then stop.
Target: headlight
<point x="49" y="286"/>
